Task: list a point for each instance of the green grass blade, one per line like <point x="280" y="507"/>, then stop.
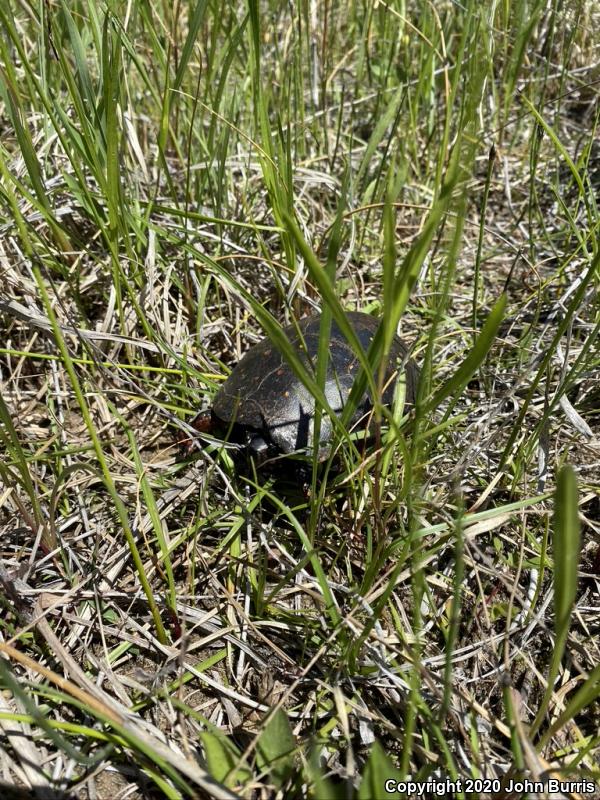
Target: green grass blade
<point x="97" y="445"/>
<point x="454" y="385"/>
<point x="566" y="561"/>
<point x="567" y="540"/>
<point x="196" y="21"/>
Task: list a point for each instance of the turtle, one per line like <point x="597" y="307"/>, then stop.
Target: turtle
<point x="264" y="405"/>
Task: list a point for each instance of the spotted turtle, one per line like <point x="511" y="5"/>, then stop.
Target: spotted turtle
<point x="266" y="406"/>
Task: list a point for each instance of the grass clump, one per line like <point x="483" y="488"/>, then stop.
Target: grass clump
<point x="179" y="180"/>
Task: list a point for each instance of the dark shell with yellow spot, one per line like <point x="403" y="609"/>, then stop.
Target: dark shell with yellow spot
<point x="265" y="400"/>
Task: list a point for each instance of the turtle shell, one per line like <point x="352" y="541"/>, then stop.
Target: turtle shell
<point x="264" y="398"/>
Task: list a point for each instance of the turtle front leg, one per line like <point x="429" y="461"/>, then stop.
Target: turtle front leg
<point x="203" y="423"/>
<point x="258" y="449"/>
